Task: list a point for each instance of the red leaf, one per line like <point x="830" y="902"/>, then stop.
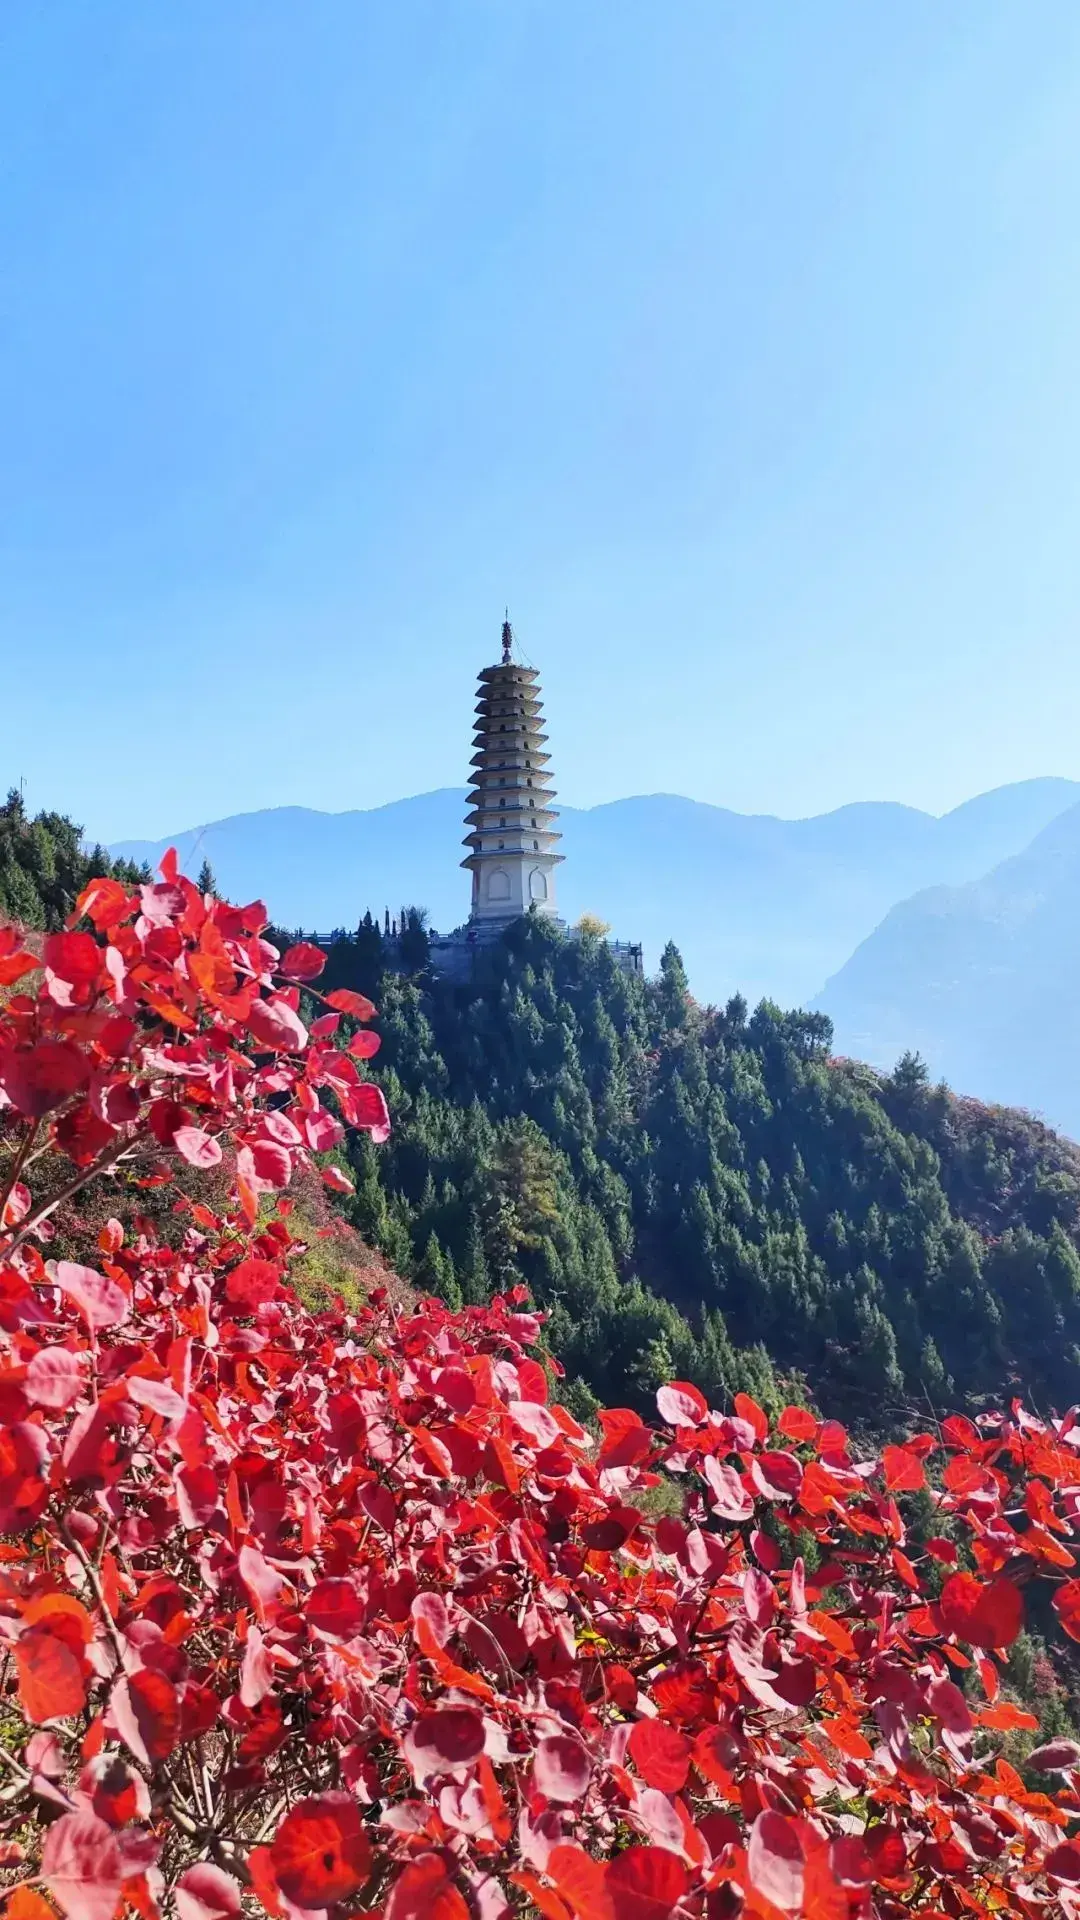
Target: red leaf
<point x="277" y="1026"/>
<point x="581" y="1880"/>
<point x="661" y="1754"/>
<point x="1063" y="1863"/>
<point x="626" y="1439"/>
<point x="204" y="1892"/>
<point x="364" y="1045"/>
<point x="51" y="1683"/>
<point x="345" y="1001"/>
<point x="82" y="1866"/>
<point x="199" y="1149"/>
<point x="644" y="1883"/>
<point x="1066" y="1604"/>
<point x="321" y="1852"/>
<point x="365" y="1106"/>
<point x="904" y="1471"/>
<point x="105" y="902"/>
<point x="425" y="1891"/>
<point x="562" y="1768"/>
<point x="74" y="957"/>
<point x="101" y="1301"/>
<point x="54" y="1378"/>
<point x="335" y="1606"/>
<point x="985" y="1614"/>
<point x="14" y="965"/>
<point x="303" y="962"/>
<point x="776" y="1861"/>
<point x="1004" y="1717"/>
<point x="37" y="1079"/>
<point x="797" y="1423"/>
<point x="777" y="1475"/>
<point x="24" y="1904"/>
<point x="146" y="1709"/>
<point x="337" y="1181"/>
<point x="749" y="1411"/>
<point x="252" y="1283"/>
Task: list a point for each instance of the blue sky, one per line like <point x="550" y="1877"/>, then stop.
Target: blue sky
<point x="736" y="347"/>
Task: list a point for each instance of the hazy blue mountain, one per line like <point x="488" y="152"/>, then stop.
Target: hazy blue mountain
<point x="757" y="904"/>
<point x="981" y="979"/>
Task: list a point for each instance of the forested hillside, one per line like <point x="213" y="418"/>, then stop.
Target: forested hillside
<point x="689" y="1191"/>
<point x="44" y="865"/>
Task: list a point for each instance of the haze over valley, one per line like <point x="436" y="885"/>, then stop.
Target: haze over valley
<point x="908" y="929"/>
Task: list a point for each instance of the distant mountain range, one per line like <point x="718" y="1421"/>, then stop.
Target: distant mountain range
<point x="982" y="979"/>
<point x="757" y="904"/>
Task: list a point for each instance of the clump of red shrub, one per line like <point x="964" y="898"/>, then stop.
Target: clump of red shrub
<point x="337" y="1611"/>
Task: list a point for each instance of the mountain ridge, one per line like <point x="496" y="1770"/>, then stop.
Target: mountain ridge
<point x="979" y="978"/>
<point x="759" y="904"/>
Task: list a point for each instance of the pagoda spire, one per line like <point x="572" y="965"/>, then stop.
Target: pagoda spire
<point x="511" y="818"/>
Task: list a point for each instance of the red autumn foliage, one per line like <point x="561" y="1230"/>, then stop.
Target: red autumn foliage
<point x="336" y="1610"/>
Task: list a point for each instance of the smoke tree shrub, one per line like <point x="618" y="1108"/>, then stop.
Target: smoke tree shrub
<point x="337" y="1612"/>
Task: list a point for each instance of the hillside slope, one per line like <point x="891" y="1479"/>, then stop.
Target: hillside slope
<point x="711" y="1195"/>
<point x="757" y="904"/>
<point x="981" y="979"/>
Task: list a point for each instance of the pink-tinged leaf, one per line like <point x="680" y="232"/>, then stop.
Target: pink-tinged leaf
<point x="54" y="1378"/>
<point x="264" y="1583"/>
<point x="101" y="1301"/>
<point x="337" y="1181"/>
<point x="157" y="1397"/>
<point x="681" y="1405"/>
<point x="442" y="1740"/>
<point x="645" y="1883"/>
<point x="776" y="1861"/>
<point x="204" y="1892"/>
<point x="146" y="1708"/>
<point x="257" y="1669"/>
<point x="321" y="1852"/>
<point x="265" y="1165"/>
<point x="759" y="1597"/>
<point x="82" y="1866"/>
<point x="730" y="1496"/>
<point x="562" y="1768"/>
<point x="1057" y="1756"/>
<point x="276" y="1026"/>
<point x="199" y="1149"/>
<point x="303" y="962"/>
<point x="431" y="1621"/>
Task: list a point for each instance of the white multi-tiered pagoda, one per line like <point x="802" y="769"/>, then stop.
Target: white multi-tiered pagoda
<point x="512" y="839"/>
